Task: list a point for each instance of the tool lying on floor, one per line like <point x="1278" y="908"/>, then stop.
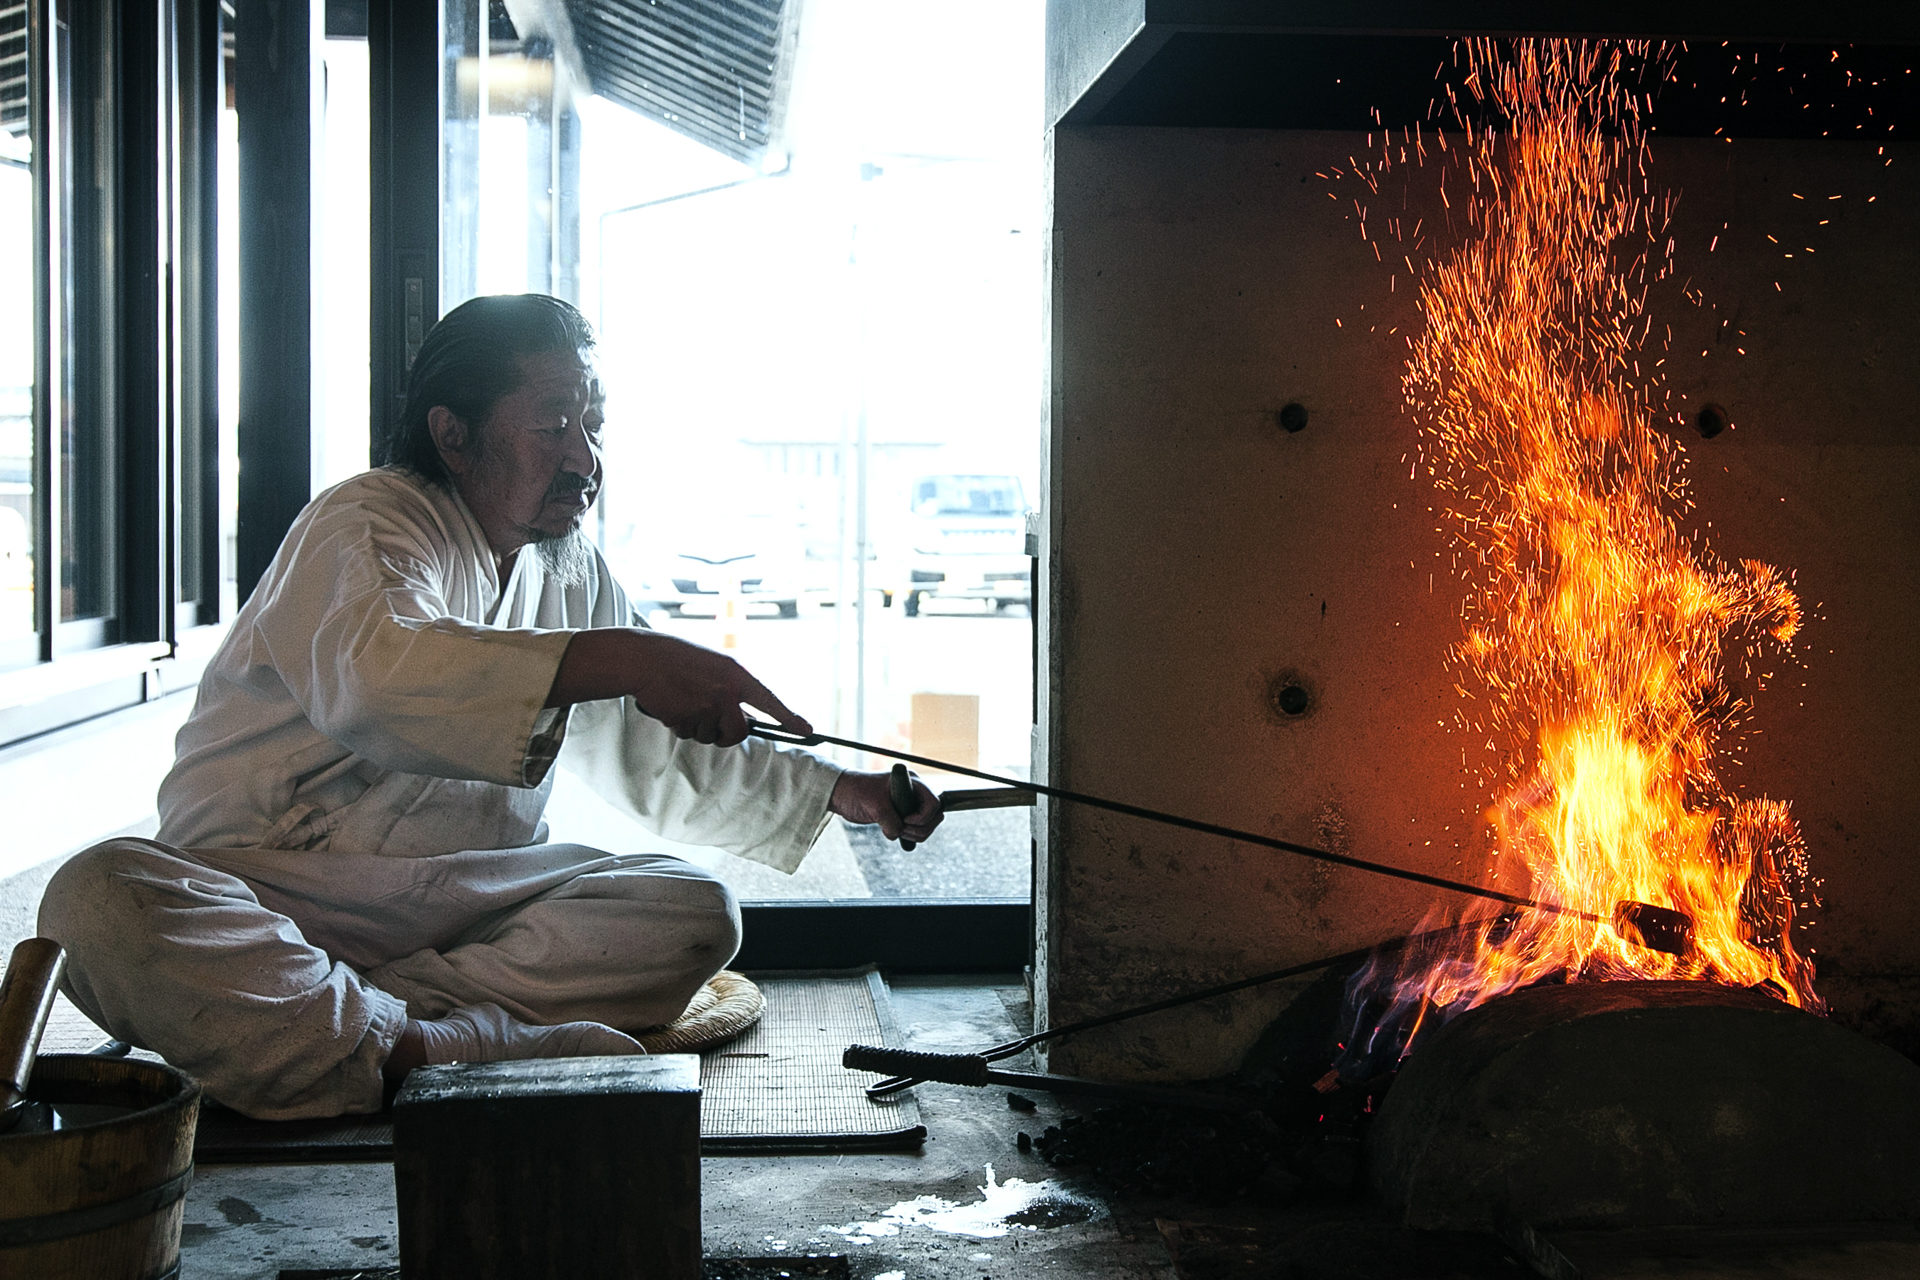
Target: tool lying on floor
<point x="1657" y="928"/>
<point x="973" y="1069"/>
<point x="963" y="1068"/>
<point x="26" y="998"/>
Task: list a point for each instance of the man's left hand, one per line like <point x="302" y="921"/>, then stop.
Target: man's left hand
<point x="864" y="797"/>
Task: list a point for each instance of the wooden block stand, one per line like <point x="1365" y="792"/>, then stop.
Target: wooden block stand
<point x="557" y="1167"/>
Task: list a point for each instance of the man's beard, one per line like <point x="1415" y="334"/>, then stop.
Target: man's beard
<point x="567" y="557"/>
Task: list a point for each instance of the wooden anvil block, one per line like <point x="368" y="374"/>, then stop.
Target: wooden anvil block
<point x="555" y="1167"/>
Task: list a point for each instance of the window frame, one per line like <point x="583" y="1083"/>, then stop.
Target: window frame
<point x="120" y="238"/>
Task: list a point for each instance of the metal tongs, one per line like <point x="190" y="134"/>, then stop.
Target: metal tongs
<point x="1658" y="928"/>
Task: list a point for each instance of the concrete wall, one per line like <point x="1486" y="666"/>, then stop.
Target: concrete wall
<point x="1197" y="556"/>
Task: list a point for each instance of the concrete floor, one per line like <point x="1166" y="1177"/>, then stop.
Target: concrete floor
<point x="942" y="1213"/>
<point x="251" y="1222"/>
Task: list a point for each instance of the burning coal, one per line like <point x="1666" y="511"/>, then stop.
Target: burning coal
<point x="1600" y="639"/>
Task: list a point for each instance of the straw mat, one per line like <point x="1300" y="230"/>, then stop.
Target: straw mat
<point x="770" y="1076"/>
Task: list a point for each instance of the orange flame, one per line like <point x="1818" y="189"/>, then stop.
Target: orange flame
<point x="1598" y="631"/>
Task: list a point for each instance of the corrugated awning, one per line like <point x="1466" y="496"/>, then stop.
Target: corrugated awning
<point x="16" y="102"/>
<point x="713" y="70"/>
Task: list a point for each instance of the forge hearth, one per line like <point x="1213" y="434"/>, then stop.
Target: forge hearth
<point x="1614" y="1104"/>
<point x="1204" y="551"/>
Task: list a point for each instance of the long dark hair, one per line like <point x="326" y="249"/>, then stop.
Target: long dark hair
<point x="469" y="360"/>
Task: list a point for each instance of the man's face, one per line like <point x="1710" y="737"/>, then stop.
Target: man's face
<point x="535" y="468"/>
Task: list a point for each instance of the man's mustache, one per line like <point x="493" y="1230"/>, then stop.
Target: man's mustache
<point x="570" y="485"/>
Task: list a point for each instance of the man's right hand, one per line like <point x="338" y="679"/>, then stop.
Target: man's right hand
<point x="695" y="691"/>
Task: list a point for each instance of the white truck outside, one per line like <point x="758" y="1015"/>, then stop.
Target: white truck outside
<point x="965" y="535"/>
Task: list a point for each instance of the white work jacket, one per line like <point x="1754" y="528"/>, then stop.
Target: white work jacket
<point x="382" y="692"/>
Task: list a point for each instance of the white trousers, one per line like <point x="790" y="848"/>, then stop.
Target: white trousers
<point x="281" y="979"/>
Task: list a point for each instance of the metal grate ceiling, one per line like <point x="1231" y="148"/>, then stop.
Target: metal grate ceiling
<point x="713" y="70"/>
<point x="15" y="102"/>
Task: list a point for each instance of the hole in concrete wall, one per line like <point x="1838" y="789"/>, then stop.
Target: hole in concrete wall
<point x="1289" y="696"/>
<point x="1711" y="420"/>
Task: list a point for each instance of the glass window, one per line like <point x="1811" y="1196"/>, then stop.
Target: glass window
<point x="340" y="446"/>
<point x="107" y="159"/>
<point x="89" y="407"/>
<point x="504" y="127"/>
<point x="814" y="264"/>
<point x="19" y="518"/>
<point x="59" y="355"/>
<point x="227" y="315"/>
<point x="199" y="101"/>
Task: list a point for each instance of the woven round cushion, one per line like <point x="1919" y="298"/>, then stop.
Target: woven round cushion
<point x="718" y="1012"/>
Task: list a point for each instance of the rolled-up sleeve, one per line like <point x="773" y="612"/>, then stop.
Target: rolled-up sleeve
<point x="759" y="800"/>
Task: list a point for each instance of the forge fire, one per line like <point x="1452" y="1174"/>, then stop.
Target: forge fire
<point x="1605" y="644"/>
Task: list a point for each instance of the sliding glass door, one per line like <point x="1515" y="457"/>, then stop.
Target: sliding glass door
<point x="809" y="236"/>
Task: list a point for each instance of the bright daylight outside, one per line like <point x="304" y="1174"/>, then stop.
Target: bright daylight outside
<point x="824" y="367"/>
<point x="16" y="372"/>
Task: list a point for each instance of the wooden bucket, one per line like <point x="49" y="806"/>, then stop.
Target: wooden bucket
<point x="103" y="1198"/>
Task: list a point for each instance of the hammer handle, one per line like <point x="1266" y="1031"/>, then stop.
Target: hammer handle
<point x="900" y="792"/>
<point x="26" y="998"/>
<point x="986" y="798"/>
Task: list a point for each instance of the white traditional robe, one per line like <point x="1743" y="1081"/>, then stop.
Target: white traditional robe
<point x="351" y="833"/>
<point x="382" y="692"/>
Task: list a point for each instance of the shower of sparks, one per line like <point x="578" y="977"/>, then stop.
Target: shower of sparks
<point x="1598" y="636"/>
